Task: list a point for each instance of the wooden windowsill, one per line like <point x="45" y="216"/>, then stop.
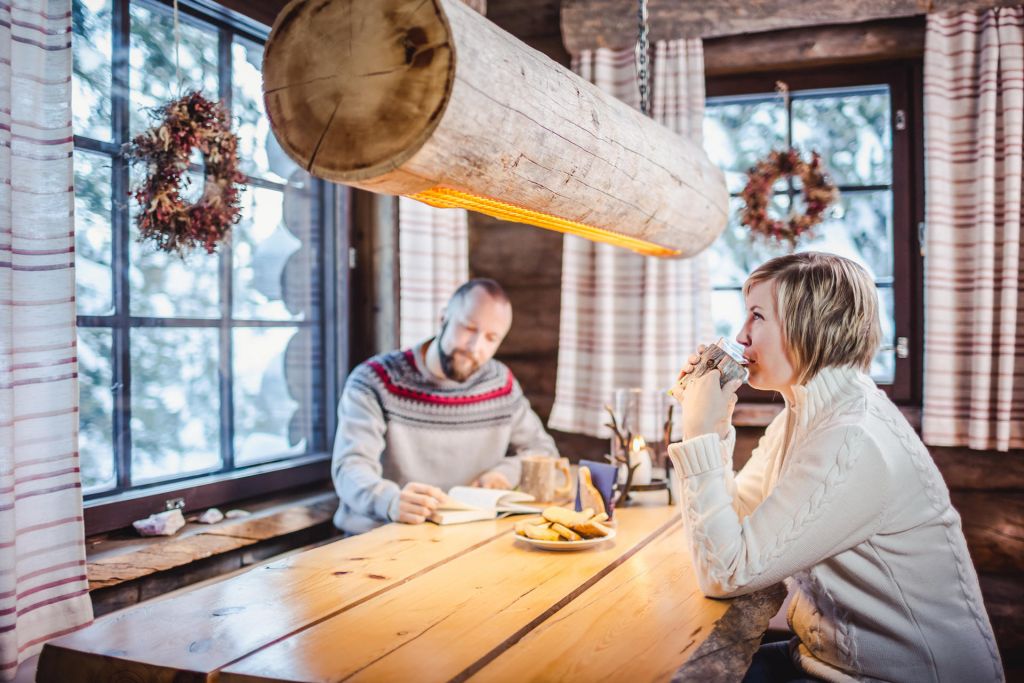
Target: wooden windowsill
<point x="755" y="414"/>
<point x="119" y="557"/>
<point x="761" y="414"/>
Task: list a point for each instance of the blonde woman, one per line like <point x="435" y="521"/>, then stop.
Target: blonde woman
<point x="840" y="496"/>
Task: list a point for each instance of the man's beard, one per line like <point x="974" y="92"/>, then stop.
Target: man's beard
<point x="458" y="372"/>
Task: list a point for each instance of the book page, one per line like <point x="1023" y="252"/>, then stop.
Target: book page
<point x="460" y="516"/>
<point x="473" y="498"/>
<point x="518" y="501"/>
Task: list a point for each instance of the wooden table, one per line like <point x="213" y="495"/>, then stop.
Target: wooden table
<point x="429" y="603"/>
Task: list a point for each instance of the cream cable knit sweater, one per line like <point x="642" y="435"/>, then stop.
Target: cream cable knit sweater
<point x="843" y="499"/>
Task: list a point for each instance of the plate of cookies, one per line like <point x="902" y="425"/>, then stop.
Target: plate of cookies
<point x="563" y="529"/>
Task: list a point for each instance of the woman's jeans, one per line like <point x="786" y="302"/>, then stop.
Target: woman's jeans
<point x="772" y="664"/>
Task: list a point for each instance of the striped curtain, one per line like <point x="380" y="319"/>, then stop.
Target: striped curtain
<point x="629" y="320"/>
<point x="43" y="588"/>
<point x="433" y="261"/>
<point x="974" y="266"/>
<point x="433" y="258"/>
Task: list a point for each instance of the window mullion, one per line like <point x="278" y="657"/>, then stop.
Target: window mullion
<point x="330" y="308"/>
<point x="120" y="182"/>
<point x="225" y="268"/>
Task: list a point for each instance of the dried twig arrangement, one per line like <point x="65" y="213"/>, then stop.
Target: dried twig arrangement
<point x="621" y="456"/>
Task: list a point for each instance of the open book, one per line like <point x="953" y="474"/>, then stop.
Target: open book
<point x="469" y="504"/>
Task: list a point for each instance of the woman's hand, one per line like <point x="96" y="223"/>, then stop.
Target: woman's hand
<point x="691" y="363"/>
<point x="707" y="406"/>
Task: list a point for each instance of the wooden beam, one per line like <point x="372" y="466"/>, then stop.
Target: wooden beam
<point x="415" y="96"/>
<point x="590" y="24"/>
<point x="266" y="11"/>
<point x="815" y="47"/>
<point x="263" y="11"/>
<point x="525" y="18"/>
<point x="375" y="283"/>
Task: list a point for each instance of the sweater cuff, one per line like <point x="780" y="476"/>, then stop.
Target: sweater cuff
<point x="697" y="455"/>
<point x="729" y="442"/>
<point x="386" y="505"/>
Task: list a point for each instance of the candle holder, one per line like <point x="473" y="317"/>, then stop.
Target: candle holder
<point x="635" y="413"/>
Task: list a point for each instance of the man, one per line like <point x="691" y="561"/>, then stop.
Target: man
<point x="415" y="422"/>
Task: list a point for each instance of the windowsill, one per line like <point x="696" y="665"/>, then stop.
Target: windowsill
<point x="761" y="414"/>
<point x="109" y="513"/>
<point x="755" y="414"/>
<point x="120" y="557"/>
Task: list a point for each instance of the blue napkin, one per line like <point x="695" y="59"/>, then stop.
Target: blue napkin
<point x="603" y="475"/>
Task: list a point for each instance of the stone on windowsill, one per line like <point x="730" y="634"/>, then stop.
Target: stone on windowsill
<point x="160" y="524"/>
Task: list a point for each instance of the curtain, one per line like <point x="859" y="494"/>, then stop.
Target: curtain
<point x="43" y="587"/>
<point x="974" y="268"/>
<point x="433" y="258"/>
<point x="433" y="261"/>
<point x="629" y="320"/>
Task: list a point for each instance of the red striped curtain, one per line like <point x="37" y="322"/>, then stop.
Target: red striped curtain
<point x="433" y="258"/>
<point x="433" y="261"/>
<point x="43" y="587"/>
<point x="974" y="266"/>
<point x="629" y="320"/>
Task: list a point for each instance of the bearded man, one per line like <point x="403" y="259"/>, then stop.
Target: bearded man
<point x="415" y="422"/>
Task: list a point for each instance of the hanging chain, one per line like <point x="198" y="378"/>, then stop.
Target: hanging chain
<point x="643" y="48"/>
<point x="177" y="43"/>
<point x="782" y="90"/>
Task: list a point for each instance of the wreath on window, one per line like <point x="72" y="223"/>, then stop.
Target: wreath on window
<point x="175" y="226"/>
<point x="818" y="191"/>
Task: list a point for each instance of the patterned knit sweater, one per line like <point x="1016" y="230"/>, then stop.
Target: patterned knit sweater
<point x="842" y="498"/>
<point x="398" y="423"/>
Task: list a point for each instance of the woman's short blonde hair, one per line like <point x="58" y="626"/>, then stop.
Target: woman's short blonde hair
<point x="828" y="308"/>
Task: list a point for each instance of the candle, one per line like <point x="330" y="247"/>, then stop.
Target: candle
<point x="640" y="455"/>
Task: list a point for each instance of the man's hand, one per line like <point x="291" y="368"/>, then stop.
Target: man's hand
<point x="492" y="480"/>
<point x="416" y="503"/>
<point x="707" y="406"/>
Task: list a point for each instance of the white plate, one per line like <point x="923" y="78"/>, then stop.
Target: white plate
<point x="566" y="545"/>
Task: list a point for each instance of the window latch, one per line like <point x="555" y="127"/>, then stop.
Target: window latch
<point x="902" y="347"/>
<point x="901" y="120"/>
<point x="174" y="504"/>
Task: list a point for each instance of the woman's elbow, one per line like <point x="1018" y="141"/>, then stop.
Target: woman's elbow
<point x="718" y="589"/>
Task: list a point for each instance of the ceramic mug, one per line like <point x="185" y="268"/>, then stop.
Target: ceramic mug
<point x="539" y="475"/>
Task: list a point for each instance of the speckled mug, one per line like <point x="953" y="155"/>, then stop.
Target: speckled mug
<point x="724" y="355"/>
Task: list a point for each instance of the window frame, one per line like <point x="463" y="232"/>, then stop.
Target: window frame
<point x="111" y="509"/>
<point x="904" y="80"/>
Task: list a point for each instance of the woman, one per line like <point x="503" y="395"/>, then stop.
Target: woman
<point x="840" y="496"/>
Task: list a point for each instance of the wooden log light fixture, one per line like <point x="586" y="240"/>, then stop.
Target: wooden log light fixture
<point x="428" y="99"/>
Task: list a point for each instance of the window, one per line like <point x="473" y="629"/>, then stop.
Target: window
<point x="218" y="365"/>
<point x="858" y="122"/>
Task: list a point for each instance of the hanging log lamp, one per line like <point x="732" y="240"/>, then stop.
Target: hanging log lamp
<point x="428" y="99"/>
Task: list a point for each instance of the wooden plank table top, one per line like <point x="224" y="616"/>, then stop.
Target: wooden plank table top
<point x="429" y="603"/>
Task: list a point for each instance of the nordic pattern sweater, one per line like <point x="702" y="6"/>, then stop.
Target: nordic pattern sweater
<point x="843" y="499"/>
<point x="398" y="423"/>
